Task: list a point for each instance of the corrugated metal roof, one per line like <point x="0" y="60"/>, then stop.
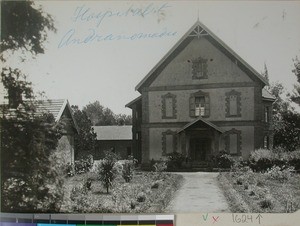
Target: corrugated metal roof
<point x="113" y="132"/>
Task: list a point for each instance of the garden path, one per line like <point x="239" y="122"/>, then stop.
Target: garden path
<point x="199" y="193"/>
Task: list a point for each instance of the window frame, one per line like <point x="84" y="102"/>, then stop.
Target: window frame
<point x="164" y="141"/>
<point x="199" y="64"/>
<point x="239" y="141"/>
<point x="238" y="104"/>
<point x="192" y="104"/>
<point x="164" y="106"/>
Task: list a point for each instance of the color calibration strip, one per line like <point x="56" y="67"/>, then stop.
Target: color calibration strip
<point x="84" y="219"/>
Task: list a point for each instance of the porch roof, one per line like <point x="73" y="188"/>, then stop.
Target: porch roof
<point x="201" y="120"/>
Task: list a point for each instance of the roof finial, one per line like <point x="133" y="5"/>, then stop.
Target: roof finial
<point x="198" y="14"/>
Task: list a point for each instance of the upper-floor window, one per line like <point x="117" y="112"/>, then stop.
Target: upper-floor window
<point x="199" y="68"/>
<point x="199" y="104"/>
<point x="267" y="114"/>
<point x="233" y="104"/>
<point x="169" y="106"/>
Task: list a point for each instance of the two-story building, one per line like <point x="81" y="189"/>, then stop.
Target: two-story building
<point x="201" y="98"/>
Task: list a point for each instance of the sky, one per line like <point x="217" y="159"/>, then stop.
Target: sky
<point x="97" y="52"/>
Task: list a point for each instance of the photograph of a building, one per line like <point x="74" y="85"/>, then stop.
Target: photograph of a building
<point x="201" y="98"/>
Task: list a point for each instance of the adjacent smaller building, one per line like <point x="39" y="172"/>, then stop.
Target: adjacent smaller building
<point x="62" y="112"/>
<point x="115" y="138"/>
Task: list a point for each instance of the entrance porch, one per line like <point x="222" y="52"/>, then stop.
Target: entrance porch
<point x="200" y="140"/>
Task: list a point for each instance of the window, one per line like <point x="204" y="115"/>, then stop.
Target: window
<point x="267" y="114"/>
<point x="169" y="106"/>
<point x="137" y="136"/>
<point x="266" y="142"/>
<point x="199" y="104"/>
<point x="233" y="104"/>
<point x="169" y="142"/>
<point x="199" y="68"/>
<point x="233" y="142"/>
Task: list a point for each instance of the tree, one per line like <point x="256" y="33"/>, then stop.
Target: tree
<point x="286" y="121"/>
<point x="24" y="26"/>
<point x="123" y="119"/>
<point x="85" y="140"/>
<point x="29" y="177"/>
<point x="108" y="170"/>
<point x="295" y="97"/>
<point x="28" y="139"/>
<point x="287" y="135"/>
<point x="101" y="116"/>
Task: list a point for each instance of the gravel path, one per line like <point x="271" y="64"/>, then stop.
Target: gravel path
<point x="199" y="193"/>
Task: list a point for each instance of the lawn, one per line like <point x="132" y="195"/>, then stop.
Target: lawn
<point x="259" y="192"/>
<point x="147" y="192"/>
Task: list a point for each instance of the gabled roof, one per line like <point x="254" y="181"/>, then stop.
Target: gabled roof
<point x="56" y="107"/>
<point x="200" y="119"/>
<point x="199" y="30"/>
<point x="113" y="132"/>
<point x="133" y="102"/>
<point x="267" y="95"/>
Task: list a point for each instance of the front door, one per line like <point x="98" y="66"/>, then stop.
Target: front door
<point x="199" y="147"/>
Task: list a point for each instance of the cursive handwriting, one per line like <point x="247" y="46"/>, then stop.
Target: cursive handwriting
<point x="71" y="37"/>
<point x="86" y="14"/>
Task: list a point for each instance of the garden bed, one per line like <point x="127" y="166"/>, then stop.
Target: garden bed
<point x="259" y="192"/>
<point x="147" y="192"/>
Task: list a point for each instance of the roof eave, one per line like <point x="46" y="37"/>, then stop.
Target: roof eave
<point x="133" y="101"/>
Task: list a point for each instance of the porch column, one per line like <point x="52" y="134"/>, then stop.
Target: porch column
<point x="183" y="143"/>
<point x="187" y="145"/>
<point x="216" y="142"/>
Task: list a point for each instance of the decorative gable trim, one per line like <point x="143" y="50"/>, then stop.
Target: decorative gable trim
<point x="164" y="107"/>
<point x="238" y="103"/>
<point x="199" y="30"/>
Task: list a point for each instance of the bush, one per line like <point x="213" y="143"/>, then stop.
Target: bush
<point x="141" y="197"/>
<point x="280" y="173"/>
<point x="224" y="160"/>
<point x="175" y="160"/>
<point x="128" y="169"/>
<point x="266" y="203"/>
<point x="108" y="169"/>
<point x="84" y="165"/>
<point x="70" y="169"/>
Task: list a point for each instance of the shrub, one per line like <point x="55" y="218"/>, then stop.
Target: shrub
<point x="70" y="169"/>
<point x="266" y="203"/>
<point x="128" y="169"/>
<point x="175" y="160"/>
<point x="262" y="159"/>
<point x="88" y="184"/>
<point x="84" y="165"/>
<point x="224" y="160"/>
<point x="141" y="197"/>
<point x="280" y="173"/>
<point x="108" y="169"/>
